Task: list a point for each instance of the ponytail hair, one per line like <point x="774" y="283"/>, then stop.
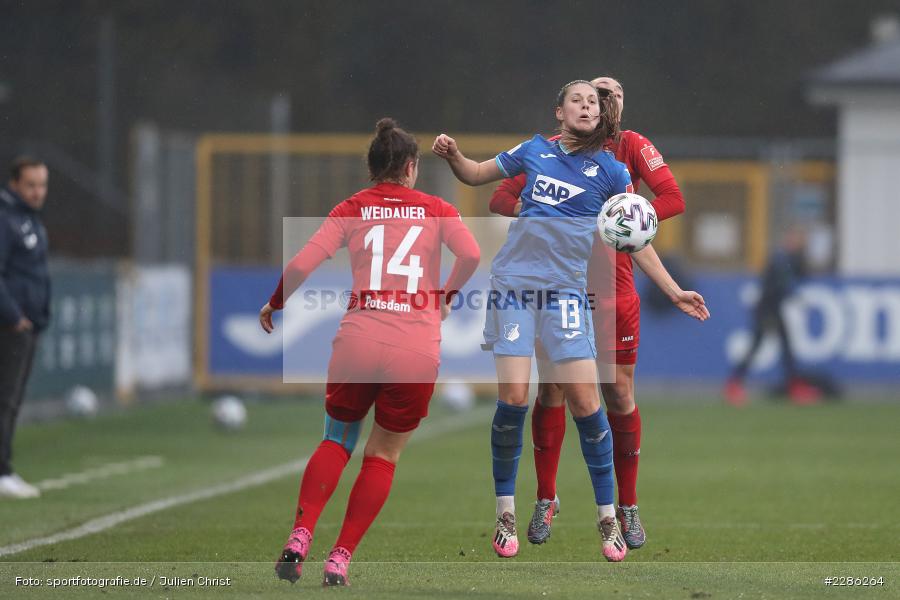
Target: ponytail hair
<point x="607" y="127"/>
<point x="390" y="150"/>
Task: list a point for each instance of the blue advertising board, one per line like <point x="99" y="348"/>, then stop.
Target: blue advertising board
<point x="849" y="328"/>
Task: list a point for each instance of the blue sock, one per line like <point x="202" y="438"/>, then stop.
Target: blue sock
<point x="506" y="446"/>
<point x="596" y="446"/>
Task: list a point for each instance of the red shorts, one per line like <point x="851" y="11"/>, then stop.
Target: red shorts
<point x="617" y="328"/>
<point x="363" y="372"/>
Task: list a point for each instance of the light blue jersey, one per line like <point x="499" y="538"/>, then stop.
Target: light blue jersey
<point x="554" y="235"/>
<point x="539" y="275"/>
<point x="537" y="292"/>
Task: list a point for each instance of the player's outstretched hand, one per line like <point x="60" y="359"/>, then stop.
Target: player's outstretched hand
<point x="692" y="304"/>
<point x="265" y="318"/>
<point x="444" y="146"/>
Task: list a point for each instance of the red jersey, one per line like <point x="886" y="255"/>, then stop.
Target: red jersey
<point x="644" y="162"/>
<point x="394" y="235"/>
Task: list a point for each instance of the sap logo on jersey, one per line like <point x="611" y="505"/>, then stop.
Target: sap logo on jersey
<point x="548" y="190"/>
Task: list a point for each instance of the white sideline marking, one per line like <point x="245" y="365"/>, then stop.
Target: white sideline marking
<point x="109" y="521"/>
<point x="101" y="472"/>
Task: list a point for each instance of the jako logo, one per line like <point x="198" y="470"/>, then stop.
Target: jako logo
<point x="548" y="190"/>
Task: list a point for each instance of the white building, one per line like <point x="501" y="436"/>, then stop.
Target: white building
<point x="865" y="87"/>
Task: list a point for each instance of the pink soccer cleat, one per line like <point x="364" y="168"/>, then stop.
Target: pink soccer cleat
<point x="506" y="542"/>
<point x="614" y="548"/>
<point x="290" y="564"/>
<point x="336" y="567"/>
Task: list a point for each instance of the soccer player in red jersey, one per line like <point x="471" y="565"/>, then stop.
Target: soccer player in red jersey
<point x="645" y="163"/>
<point x="386" y="351"/>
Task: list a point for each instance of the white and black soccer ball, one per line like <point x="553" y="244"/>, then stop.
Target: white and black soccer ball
<point x="81" y="401"/>
<point x="627" y="222"/>
<point x="457" y="396"/>
<point x="229" y="413"/>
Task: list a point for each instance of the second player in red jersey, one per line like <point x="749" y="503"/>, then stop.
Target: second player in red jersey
<point x="386" y="351"/>
<point x="644" y="163"/>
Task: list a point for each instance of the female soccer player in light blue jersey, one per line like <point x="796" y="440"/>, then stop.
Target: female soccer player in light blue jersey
<point x="538" y="281"/>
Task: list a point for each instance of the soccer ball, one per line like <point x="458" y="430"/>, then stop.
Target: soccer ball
<point x="81" y="401"/>
<point x="229" y="413"/>
<point x="457" y="396"/>
<point x="627" y="222"/>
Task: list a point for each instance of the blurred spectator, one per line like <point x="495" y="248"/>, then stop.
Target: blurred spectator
<point x="24" y="302"/>
<point x="785" y="268"/>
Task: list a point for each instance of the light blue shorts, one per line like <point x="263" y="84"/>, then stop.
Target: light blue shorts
<point x="521" y="310"/>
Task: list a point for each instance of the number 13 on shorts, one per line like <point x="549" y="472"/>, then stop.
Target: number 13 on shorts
<point x="570" y="310"/>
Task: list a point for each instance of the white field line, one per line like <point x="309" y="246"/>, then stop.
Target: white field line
<point x="102" y="472"/>
<point x="428" y="431"/>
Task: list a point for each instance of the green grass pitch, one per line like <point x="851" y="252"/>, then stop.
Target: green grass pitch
<point x="764" y="502"/>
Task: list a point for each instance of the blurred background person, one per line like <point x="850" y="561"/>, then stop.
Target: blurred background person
<point x="785" y="268"/>
<point x="24" y="302"/>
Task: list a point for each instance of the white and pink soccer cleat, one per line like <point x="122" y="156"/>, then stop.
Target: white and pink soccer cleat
<point x="290" y="564"/>
<point x="614" y="548"/>
<point x="336" y="567"/>
<point x="506" y="542"/>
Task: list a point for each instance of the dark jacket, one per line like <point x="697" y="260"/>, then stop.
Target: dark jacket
<point x="24" y="274"/>
<point x="783" y="272"/>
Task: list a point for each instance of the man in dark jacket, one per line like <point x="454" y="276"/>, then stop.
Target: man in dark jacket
<point x="24" y="302"/>
<point x="786" y="267"/>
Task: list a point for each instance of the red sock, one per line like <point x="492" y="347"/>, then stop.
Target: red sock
<point x="368" y="495"/>
<point x="626" y="431"/>
<point x="319" y="480"/>
<point x="548" y="428"/>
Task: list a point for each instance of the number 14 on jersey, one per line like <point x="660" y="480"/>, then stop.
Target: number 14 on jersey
<point x="412" y="271"/>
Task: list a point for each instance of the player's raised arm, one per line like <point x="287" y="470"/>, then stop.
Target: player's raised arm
<point x="466" y="170"/>
<point x="689" y="302"/>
